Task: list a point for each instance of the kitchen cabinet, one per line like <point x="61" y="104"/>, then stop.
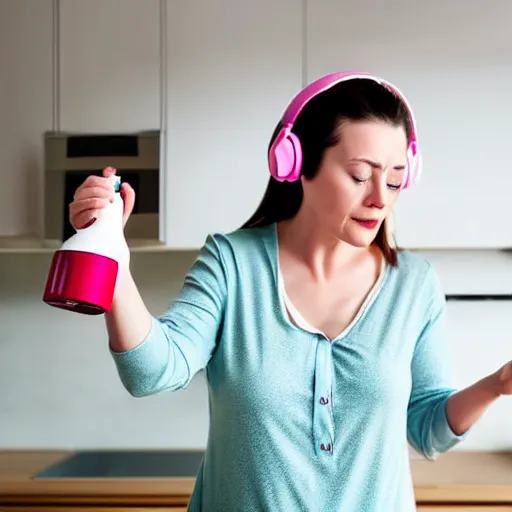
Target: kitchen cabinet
<point x="231" y="69"/>
<point x="459" y="86"/>
<point x="74" y="66"/>
<point x="215" y="77"/>
<point x="109" y="58"/>
<point x="26" y="111"/>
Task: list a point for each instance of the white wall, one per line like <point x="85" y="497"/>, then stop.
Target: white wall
<point x="58" y="385"/>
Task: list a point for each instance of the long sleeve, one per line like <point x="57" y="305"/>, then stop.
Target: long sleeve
<point x="182" y="340"/>
<point x="428" y="429"/>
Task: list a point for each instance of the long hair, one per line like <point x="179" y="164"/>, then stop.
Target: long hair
<point x="317" y="128"/>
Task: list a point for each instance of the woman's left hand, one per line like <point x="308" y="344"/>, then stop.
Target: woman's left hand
<point x="466" y="406"/>
<point x="502" y="379"/>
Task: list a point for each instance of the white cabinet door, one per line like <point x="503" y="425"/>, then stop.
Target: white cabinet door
<point x="109" y="65"/>
<point x="232" y="67"/>
<point x="25" y="111"/>
<point x="452" y="59"/>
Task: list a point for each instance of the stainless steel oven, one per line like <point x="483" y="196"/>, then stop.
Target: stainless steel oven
<point x="71" y="157"/>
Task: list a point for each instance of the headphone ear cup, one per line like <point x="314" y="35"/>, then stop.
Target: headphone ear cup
<point x="414" y="165"/>
<point x="285" y="156"/>
<point x="297" y="157"/>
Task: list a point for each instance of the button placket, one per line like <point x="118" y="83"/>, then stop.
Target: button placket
<point x="323" y="427"/>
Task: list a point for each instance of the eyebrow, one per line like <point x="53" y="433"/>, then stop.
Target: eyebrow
<point x="376" y="165"/>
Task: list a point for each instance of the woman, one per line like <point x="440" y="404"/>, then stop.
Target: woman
<point x="323" y="345"/>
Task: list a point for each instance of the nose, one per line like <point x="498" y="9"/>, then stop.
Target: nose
<point x="377" y="195"/>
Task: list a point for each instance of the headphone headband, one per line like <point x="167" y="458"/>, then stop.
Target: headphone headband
<point x="285" y="155"/>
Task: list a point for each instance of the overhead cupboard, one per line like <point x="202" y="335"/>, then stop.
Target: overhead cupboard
<point x="214" y="78"/>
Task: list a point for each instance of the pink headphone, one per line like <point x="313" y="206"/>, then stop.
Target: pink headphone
<point x="285" y="155"/>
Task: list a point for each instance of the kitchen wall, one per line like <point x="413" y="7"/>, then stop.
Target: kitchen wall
<point x="59" y="387"/>
<point x="58" y="384"/>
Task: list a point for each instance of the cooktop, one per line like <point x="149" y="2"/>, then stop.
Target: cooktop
<point x="125" y="464"/>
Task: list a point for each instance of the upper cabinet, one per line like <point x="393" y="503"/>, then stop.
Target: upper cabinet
<point x="26" y="111"/>
<point x="216" y="76"/>
<point x="452" y="60"/>
<point x="109" y="62"/>
<point x="79" y="66"/>
<point x="231" y="69"/>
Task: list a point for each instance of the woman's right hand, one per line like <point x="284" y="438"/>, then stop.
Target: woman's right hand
<point x="93" y="195"/>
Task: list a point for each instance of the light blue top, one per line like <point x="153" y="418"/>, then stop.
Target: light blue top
<point x="298" y="423"/>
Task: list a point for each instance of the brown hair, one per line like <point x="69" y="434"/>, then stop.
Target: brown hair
<point x="317" y="128"/>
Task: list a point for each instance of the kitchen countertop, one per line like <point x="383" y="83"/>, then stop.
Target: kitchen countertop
<point x="17" y="485"/>
<point x="457" y="476"/>
<point x="464" y="477"/>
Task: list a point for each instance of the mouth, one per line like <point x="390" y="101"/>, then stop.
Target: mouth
<point x="367" y="223"/>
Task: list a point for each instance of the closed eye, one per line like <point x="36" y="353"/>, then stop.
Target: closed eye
<point x="360" y="181"/>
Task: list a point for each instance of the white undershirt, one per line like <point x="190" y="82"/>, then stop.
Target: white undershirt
<point x="300" y="321"/>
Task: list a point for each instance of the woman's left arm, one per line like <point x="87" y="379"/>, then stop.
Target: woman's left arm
<point x="464" y="408"/>
<point x="439" y="414"/>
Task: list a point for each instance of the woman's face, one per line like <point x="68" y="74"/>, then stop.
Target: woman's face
<point x="358" y="181"/>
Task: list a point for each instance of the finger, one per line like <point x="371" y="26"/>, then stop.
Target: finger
<point x="96" y="182"/>
<point x="128" y="195"/>
<point x="90" y="203"/>
<point x="108" y="172"/>
<point x="84" y="219"/>
<point x="83" y="213"/>
<point x="98" y="192"/>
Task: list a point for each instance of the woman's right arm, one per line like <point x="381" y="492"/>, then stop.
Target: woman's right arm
<point x="129" y="321"/>
<point x="158" y="354"/>
<point x="152" y="354"/>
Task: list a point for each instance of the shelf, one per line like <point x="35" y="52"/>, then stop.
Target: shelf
<point x="36" y="245"/>
<point x="473" y="275"/>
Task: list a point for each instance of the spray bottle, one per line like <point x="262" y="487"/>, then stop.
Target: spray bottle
<point x="84" y="270"/>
